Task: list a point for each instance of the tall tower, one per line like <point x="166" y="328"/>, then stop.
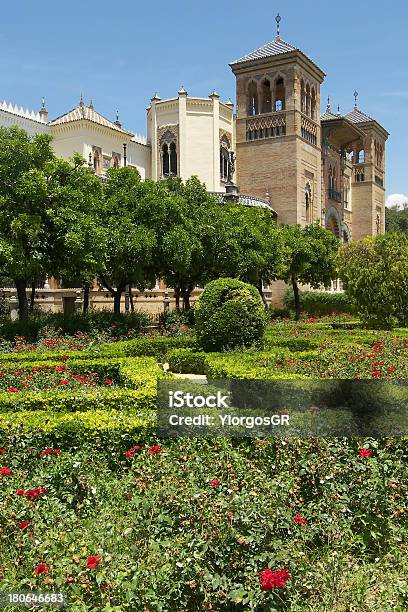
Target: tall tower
<point x="278" y="143"/>
<point x="368" y="175"/>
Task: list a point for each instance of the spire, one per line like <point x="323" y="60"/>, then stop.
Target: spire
<point x="117" y="122"/>
<point x="355" y="99"/>
<point x="91" y="106"/>
<point x="43" y="111"/>
<point x="278" y="19"/>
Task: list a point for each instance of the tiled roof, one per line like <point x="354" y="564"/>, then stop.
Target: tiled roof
<point x="357" y="116"/>
<point x="276" y="47"/>
<point x="88" y="113"/>
<point x="328" y="115"/>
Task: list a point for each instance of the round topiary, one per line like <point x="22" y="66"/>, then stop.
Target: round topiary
<point x="229" y="313"/>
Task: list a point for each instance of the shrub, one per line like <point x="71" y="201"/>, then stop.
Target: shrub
<point x="320" y="303"/>
<point x="375" y="275"/>
<point x="186" y="361"/>
<point x="229" y="313"/>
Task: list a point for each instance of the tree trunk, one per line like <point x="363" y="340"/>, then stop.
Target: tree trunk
<point x="32" y="297"/>
<point x="132" y="305"/>
<point x="261" y="293"/>
<point x="117" y="296"/>
<point x="21" y="286"/>
<point x="86" y="298"/>
<point x="296" y="297"/>
<point x="177" y="292"/>
<point x="186" y="299"/>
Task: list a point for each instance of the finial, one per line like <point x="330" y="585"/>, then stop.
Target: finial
<point x="278" y="19"/>
<point x="156" y="97"/>
<point x="230" y="103"/>
<point x="81" y="101"/>
<point x="338" y="109"/>
<point x="214" y="94"/>
<point x="328" y="107"/>
<point x="182" y="90"/>
<point x="43" y="102"/>
<point x="355" y="99"/>
<point x="91" y="106"/>
<point x="117" y="121"/>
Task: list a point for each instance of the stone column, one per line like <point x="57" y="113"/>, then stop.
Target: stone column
<point x="214" y="96"/>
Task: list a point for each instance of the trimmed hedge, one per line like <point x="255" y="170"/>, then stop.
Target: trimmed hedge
<point x="320" y="303"/>
<point x="229" y="313"/>
<point x="187" y="361"/>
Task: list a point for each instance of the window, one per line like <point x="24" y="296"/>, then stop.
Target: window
<point x="173" y="159"/>
<point x="308" y="203"/>
<point x="280" y="95"/>
<point x="266" y="97"/>
<point x="360" y="176"/>
<point x="361" y="156"/>
<point x="313" y="104"/>
<point x="169" y="157"/>
<point x="97" y="161"/>
<point x="307" y="100"/>
<point x="165" y="160"/>
<point x="253" y="99"/>
<point x="302" y="96"/>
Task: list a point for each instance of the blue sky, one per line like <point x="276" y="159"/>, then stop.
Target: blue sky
<point x="120" y="53"/>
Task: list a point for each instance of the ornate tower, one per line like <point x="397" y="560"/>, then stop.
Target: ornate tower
<point x="278" y="142"/>
<point x="368" y="175"/>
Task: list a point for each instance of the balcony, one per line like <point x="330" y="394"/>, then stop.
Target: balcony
<point x="334" y="195"/>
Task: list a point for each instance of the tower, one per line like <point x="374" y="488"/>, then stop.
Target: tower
<point x="368" y="175"/>
<point x="278" y="142"/>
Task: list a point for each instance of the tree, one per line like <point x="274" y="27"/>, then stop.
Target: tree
<point x="127" y="215"/>
<point x="23" y="208"/>
<point x="311" y="258"/>
<point x="375" y="276"/>
<point x="396" y="220"/>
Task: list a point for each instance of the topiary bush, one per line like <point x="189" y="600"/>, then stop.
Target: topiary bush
<point x="229" y="313"/>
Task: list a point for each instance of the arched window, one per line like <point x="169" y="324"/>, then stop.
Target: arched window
<point x="361" y="156"/>
<point x="115" y="161"/>
<point x="308" y="202"/>
<point x="280" y="94"/>
<point x="266" y="97"/>
<point x="253" y="99"/>
<point x="313" y="104"/>
<point x="307" y="100"/>
<point x="165" y="160"/>
<point x="302" y="96"/>
<point x="173" y="159"/>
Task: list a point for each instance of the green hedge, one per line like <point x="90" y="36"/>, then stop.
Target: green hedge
<point x="320" y="303"/>
<point x="187" y="361"/>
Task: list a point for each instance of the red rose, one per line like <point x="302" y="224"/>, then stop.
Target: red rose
<point x="24" y="524"/>
<point x="214" y="482"/>
<point x="391" y="369"/>
<point x="108" y="382"/>
<point x="64" y="381"/>
<point x="12" y="390"/>
<point x="299" y="520"/>
<point x="34" y="493"/>
<point x="93" y="562"/>
<point x="41" y="569"/>
<point x="50" y="451"/>
<point x="5" y="471"/>
<point x="3" y="450"/>
<point x="154" y="450"/>
<point x="376" y="373"/>
<point x="270" y="579"/>
<point x="60" y="369"/>
<point x="365" y="452"/>
<point x="131" y="451"/>
<point x="20" y="492"/>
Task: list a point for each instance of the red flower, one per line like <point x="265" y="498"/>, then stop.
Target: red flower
<point x="50" y="451"/>
<point x="154" y="450"/>
<point x="214" y="482"/>
<point x="20" y="492"/>
<point x="108" y="382"/>
<point x="24" y="524"/>
<point x="41" y="569"/>
<point x="60" y="369"/>
<point x="299" y="520"/>
<point x="365" y="452"/>
<point x="391" y="369"/>
<point x="64" y="381"/>
<point x="5" y="471"/>
<point x="34" y="493"/>
<point x="375" y="373"/>
<point x="131" y="451"/>
<point x="269" y="579"/>
<point x="93" y="562"/>
<point x="12" y="390"/>
<point x="3" y="450"/>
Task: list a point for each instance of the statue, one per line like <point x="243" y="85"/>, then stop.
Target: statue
<point x="231" y="166"/>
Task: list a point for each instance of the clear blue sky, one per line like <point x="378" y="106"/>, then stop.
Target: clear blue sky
<point x="120" y="53"/>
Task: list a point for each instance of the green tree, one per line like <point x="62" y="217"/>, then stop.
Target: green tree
<point x="130" y="214"/>
<point x="23" y="208"/>
<point x="311" y="258"/>
<point x="375" y="276"/>
<point x="396" y="220"/>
